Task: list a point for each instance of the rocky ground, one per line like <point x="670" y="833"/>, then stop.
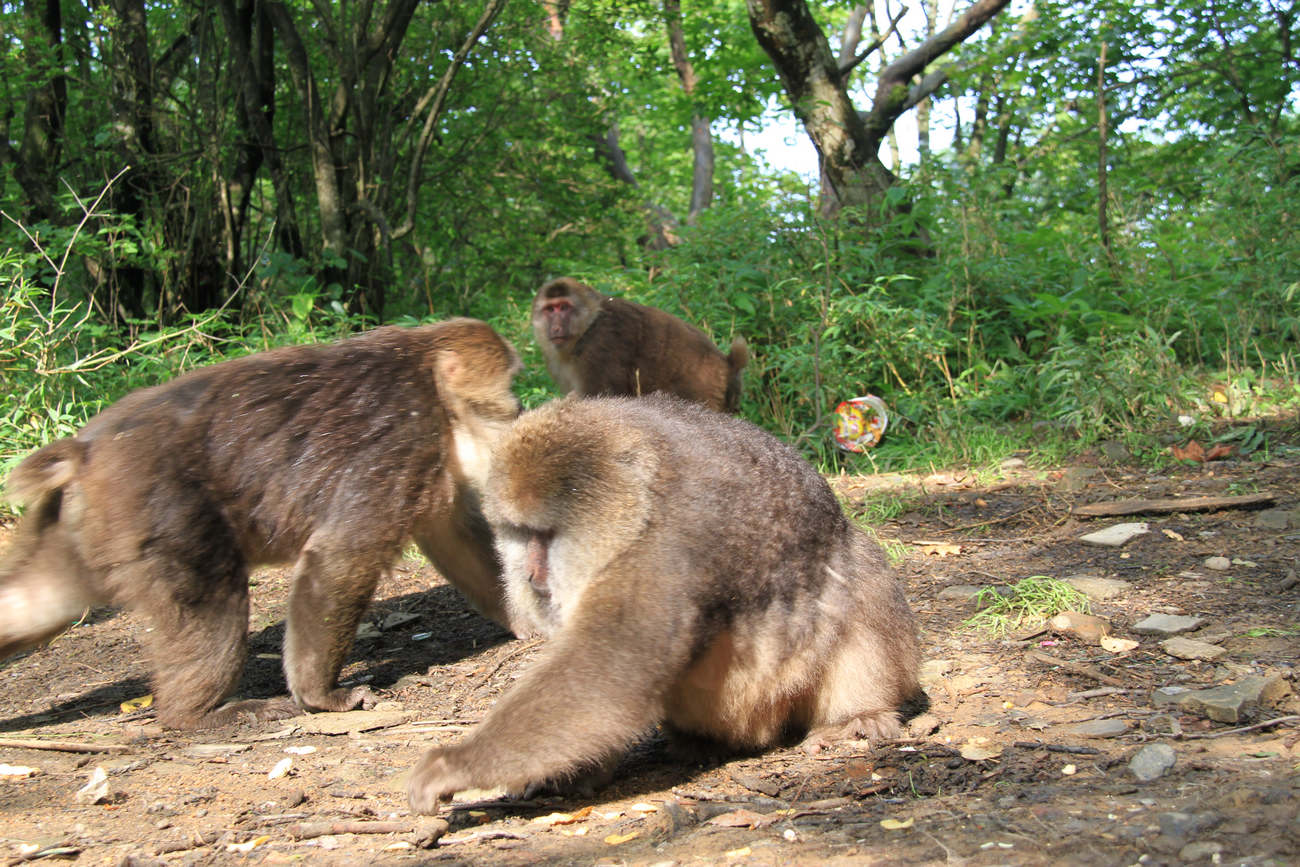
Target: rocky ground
<point x="1176" y="741"/>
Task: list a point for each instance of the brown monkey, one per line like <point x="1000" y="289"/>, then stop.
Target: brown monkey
<point x="691" y="570"/>
<point x="598" y="345"/>
<point x="333" y="456"/>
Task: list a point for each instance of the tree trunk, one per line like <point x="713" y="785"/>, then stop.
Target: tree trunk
<point x="701" y="135"/>
<point x="36" y="161"/>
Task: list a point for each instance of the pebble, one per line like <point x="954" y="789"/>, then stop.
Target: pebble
<point x="1166" y="624"/>
<point x="1187" y="648"/>
<point x="1180" y="826"/>
<point x="1200" y="850"/>
<point x="1218" y="564"/>
<point x="1151" y="762"/>
<point x="1099" y="728"/>
<point x="1231" y="702"/>
<point x="1085" y="627"/>
<point x="1098" y="589"/>
<point x="1116" y="535"/>
<point x="962" y="592"/>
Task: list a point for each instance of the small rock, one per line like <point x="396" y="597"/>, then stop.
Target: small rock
<point x="1180" y="826"/>
<point x="1076" y="479"/>
<point x="1276" y="519"/>
<point x="922" y="726"/>
<point x="1116" y="535"/>
<point x="1084" y="627"/>
<point x="961" y="592"/>
<point x="96" y="789"/>
<point x="1166" y="624"/>
<point x="1116" y="452"/>
<point x="216" y="751"/>
<point x="1199" y="850"/>
<point x="933" y="670"/>
<point x="1231" y="702"/>
<point x="1151" y="762"/>
<point x="1218" y="564"/>
<point x="1098" y="589"/>
<point x="1012" y="463"/>
<point x="1169" y="695"/>
<point x="1099" y="728"/>
<point x="1187" y="648"/>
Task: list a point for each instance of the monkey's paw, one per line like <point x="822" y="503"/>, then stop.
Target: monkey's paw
<point x="433" y="780"/>
<point x="880" y="726"/>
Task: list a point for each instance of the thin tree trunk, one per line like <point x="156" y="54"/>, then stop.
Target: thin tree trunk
<point x="701" y="135"/>
<point x="1103" y="221"/>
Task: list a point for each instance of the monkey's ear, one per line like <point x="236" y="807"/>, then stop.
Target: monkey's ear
<point x="45" y="470"/>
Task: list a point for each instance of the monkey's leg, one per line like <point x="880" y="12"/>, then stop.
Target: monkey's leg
<point x="597" y="687"/>
<point x="459" y="545"/>
<point x="332" y="584"/>
<point x="198" y="647"/>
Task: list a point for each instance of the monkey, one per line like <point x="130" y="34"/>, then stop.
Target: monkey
<point x="331" y="456"/>
<point x="597" y="345"/>
<point x="689" y="570"/>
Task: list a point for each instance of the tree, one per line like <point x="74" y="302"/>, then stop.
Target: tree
<point x="848" y="141"/>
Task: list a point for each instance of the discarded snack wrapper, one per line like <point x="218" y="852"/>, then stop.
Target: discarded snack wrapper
<point x="860" y="423"/>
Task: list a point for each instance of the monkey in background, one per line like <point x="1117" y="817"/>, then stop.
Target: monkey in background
<point x="690" y="569"/>
<point x="334" y="456"/>
<point x="598" y="345"/>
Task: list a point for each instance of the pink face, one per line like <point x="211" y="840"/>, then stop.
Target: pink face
<point x="558" y="313"/>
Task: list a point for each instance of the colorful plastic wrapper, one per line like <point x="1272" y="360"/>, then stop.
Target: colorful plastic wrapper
<point x="860" y="422"/>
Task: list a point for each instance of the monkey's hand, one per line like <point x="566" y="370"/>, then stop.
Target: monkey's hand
<point x="434" y="779"/>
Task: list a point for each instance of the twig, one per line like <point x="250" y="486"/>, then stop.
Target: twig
<point x="1056" y="748"/>
<point x="523" y="648"/>
<point x="1260" y="725"/>
<point x="1174" y="504"/>
<point x="62" y="746"/>
<point x="307" y="830"/>
<point x="1076" y="667"/>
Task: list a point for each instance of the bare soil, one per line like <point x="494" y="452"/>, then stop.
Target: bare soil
<point x="1044" y="793"/>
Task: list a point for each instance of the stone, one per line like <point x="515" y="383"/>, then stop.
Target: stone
<point x="1180" y="826"/>
<point x="1233" y="702"/>
<point x="1116" y="535"/>
<point x="1085" y="627"/>
<point x="933" y="670"/>
<point x="1168" y="695"/>
<point x="1012" y="463"/>
<point x="1116" y="452"/>
<point x="1218" y="564"/>
<point x="1151" y="762"/>
<point x="1098" y="589"/>
<point x="1076" y="479"/>
<point x="1277" y="519"/>
<point x="962" y="592"/>
<point x="1188" y="648"/>
<point x="1099" y="728"/>
<point x="1200" y="850"/>
<point x="1166" y="624"/>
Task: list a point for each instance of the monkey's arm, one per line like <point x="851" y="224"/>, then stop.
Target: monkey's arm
<point x="597" y="687"/>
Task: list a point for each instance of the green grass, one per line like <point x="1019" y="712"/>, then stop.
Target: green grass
<point x="1029" y="601"/>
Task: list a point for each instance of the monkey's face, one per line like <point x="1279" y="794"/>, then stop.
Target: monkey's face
<point x="556" y="315"/>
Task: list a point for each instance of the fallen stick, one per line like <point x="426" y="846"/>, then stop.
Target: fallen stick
<point x="1056" y="748"/>
<point x="1174" y="504"/>
<point x="307" y="830"/>
<point x="62" y="746"/>
<point x="1259" y="725"/>
<point x="1076" y="667"/>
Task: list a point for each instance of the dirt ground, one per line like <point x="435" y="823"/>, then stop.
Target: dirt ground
<point x="998" y="774"/>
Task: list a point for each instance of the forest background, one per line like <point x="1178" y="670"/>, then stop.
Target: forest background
<point x="1095" y="235"/>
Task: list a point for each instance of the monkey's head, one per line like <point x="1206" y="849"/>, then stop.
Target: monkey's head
<point x="562" y="311"/>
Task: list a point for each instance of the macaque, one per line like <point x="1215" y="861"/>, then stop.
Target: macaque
<point x="331" y="456"/>
<point x="598" y="345"/>
<point x="690" y="570"/>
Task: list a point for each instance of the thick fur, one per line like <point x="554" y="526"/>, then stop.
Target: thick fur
<point x="334" y="456"/>
<point x="609" y="346"/>
<point x="696" y="572"/>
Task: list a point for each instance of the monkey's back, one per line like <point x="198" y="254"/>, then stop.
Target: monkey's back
<point x="274" y="439"/>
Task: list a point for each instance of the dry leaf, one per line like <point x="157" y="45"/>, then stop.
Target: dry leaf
<point x="139" y="703"/>
<point x="18" y="771"/>
<point x="616" y="839"/>
<point x="1110" y="644"/>
<point x="1069" y="770"/>
<point x="1220" y="451"/>
<point x="1177" y="537"/>
<point x="249" y="846"/>
<point x="743" y="819"/>
<point x="938" y="549"/>
<point x="281" y="769"/>
<point x="980" y="749"/>
<point x="738" y="853"/>
<point x="897" y="824"/>
<point x="1191" y="452"/>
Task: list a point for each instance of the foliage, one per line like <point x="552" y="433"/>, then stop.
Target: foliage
<point x="1030" y="600"/>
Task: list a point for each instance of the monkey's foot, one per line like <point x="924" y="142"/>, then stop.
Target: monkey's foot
<point x="433" y="780"/>
<point x="341" y="699"/>
<point x="249" y="710"/>
<point x="878" y="726"/>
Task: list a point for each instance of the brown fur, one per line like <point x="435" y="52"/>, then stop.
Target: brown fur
<point x="598" y="345"/>
<point x="333" y="456"/>
<point x="698" y="573"/>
